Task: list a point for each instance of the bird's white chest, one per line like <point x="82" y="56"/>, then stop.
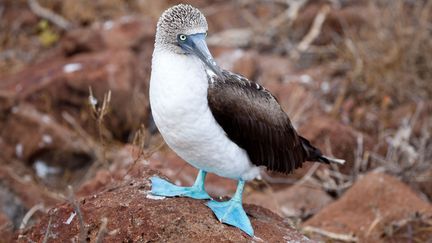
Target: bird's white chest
<point x="178" y="98"/>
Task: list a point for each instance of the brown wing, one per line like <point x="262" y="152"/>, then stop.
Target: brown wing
<point x="253" y="119"/>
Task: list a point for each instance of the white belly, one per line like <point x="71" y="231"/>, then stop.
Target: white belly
<point x="178" y="98"/>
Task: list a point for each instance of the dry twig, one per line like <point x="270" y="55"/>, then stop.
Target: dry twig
<point x="290" y="14"/>
<point x="90" y="143"/>
<point x="140" y="140"/>
<point x="308" y="175"/>
<point x="47" y="232"/>
<point x="331" y="235"/>
<point x="102" y="230"/>
<point x="99" y="112"/>
<point x="29" y="214"/>
<point x="75" y="205"/>
<point x="49" y="15"/>
<point x="315" y="30"/>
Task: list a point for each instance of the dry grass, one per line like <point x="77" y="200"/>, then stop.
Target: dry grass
<point x="391" y="66"/>
<point x="408" y="154"/>
<point x="391" y="59"/>
<point x="72" y="200"/>
<point x="415" y="228"/>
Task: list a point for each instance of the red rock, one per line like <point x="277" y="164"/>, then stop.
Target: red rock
<point x="96" y="184"/>
<point x="273" y="69"/>
<point x="84" y="13"/>
<point x="370" y="207"/>
<point x="63" y="85"/>
<point x="7" y="150"/>
<point x="279" y="75"/>
<point x="134" y="215"/>
<point x="151" y="8"/>
<point x="18" y="194"/>
<point x="324" y="131"/>
<point x="298" y="102"/>
<point x="128" y="32"/>
<point x="35" y="132"/>
<point x="17" y="181"/>
<point x="226" y="17"/>
<point x="298" y="201"/>
<point x="280" y="181"/>
<point x="302" y="201"/>
<point x="424" y="182"/>
<point x="239" y="61"/>
<point x="123" y="33"/>
<point x="18" y="15"/>
<point x="265" y="199"/>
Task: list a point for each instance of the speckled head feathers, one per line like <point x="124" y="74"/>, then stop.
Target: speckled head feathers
<point x="179" y="19"/>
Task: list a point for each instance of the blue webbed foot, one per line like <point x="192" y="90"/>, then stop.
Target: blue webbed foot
<point x="161" y="187"/>
<point x="231" y="212"/>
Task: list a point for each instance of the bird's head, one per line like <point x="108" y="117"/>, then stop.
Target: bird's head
<point x="182" y="29"/>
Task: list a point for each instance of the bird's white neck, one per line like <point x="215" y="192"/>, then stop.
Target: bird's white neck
<point x="178" y="84"/>
<point x="178" y="70"/>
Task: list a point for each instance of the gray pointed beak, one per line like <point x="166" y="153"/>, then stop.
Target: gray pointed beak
<point x="196" y="44"/>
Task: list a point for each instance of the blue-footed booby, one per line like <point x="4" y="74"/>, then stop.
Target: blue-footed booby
<point x="217" y="121"/>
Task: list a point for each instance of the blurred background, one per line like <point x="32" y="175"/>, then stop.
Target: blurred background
<point x="355" y="77"/>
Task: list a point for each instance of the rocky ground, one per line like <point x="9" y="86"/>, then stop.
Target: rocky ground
<point x="78" y="144"/>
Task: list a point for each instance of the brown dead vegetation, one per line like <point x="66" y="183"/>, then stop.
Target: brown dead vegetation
<point x="354" y="76"/>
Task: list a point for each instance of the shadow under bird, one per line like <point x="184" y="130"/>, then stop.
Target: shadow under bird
<point x="217" y="121"/>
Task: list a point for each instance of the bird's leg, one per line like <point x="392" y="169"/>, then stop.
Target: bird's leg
<point x="162" y="187"/>
<point x="231" y="212"/>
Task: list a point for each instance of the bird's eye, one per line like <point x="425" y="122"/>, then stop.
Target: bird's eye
<point x="182" y="37"/>
<point x="206" y="33"/>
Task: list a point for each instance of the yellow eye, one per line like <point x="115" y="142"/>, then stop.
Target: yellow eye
<point x="182" y="37"/>
<point x="206" y="33"/>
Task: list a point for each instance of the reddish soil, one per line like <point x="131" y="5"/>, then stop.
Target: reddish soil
<point x="132" y="214"/>
<point x="51" y="136"/>
<point x="371" y="207"/>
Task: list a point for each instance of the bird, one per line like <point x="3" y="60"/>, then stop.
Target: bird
<point x="217" y="121"/>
